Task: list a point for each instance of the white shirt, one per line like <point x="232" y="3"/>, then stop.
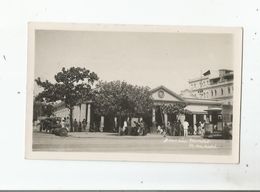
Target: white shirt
<point x="125" y="125"/>
<point x="185" y="125"/>
<point x="62" y="124"/>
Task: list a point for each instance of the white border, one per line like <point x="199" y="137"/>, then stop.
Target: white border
<point x="233" y="158"/>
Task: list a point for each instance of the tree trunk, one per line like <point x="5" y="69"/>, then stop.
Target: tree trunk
<point x="71" y="120"/>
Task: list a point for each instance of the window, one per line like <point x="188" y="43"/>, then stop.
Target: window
<point x="215" y="92"/>
<point x="229" y="91"/>
<point x="211" y="93"/>
<point x="222" y="91"/>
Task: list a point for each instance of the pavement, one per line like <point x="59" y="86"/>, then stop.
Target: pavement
<point x="112" y="142"/>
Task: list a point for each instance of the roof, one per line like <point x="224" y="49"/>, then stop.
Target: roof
<point x="203" y="101"/>
<point x="229" y="70"/>
<point x="168" y="91"/>
<point x="195" y="101"/>
<point x="214" y="109"/>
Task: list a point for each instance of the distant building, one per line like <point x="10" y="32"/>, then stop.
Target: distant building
<point x="187" y="93"/>
<point x="214" y="85"/>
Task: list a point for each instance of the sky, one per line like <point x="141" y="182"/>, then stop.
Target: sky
<point x="147" y="59"/>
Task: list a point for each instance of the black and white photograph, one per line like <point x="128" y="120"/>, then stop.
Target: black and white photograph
<point x="133" y="93"/>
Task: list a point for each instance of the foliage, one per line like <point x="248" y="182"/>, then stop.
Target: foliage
<point x="48" y="110"/>
<point x="119" y="98"/>
<point x="42" y="109"/>
<point x="72" y="85"/>
<point x="176" y="108"/>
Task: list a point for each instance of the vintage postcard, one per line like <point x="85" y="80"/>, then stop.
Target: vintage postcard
<point x="133" y="93"/>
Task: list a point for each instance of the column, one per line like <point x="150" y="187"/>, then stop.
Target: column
<point x="205" y="117"/>
<point x="88" y="117"/>
<point x="83" y="109"/>
<point x="194" y="119"/>
<point x="102" y="120"/>
<point x="153" y="116"/>
<point x="194" y="124"/>
<point x="165" y="119"/>
<point x="115" y="120"/>
<point x="210" y="118"/>
<point x="153" y="128"/>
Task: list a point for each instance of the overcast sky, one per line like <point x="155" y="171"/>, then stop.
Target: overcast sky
<point x="149" y="59"/>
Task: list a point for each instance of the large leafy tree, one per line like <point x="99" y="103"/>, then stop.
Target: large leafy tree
<point x="176" y="108"/>
<point x="42" y="109"/>
<point x="121" y="99"/>
<point x="72" y="85"/>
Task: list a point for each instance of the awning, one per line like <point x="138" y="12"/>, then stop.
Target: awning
<point x="196" y="109"/>
<point x="214" y="109"/>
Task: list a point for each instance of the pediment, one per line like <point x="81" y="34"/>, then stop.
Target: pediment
<point x="164" y="94"/>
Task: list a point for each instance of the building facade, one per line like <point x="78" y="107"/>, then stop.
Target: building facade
<point x="198" y="108"/>
<point x="214" y="85"/>
<point x="82" y="111"/>
<point x="201" y="110"/>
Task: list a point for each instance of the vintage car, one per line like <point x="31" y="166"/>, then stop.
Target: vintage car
<point x="222" y="133"/>
<point x="49" y="124"/>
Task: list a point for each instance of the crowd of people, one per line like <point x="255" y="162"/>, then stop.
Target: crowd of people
<point x="136" y="128"/>
<point x="77" y="126"/>
<point x="179" y="128"/>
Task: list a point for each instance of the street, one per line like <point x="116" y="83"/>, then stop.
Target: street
<point x="111" y="142"/>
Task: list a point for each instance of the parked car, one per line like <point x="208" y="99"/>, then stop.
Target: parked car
<point x="49" y="124"/>
<point x="224" y="134"/>
<point x="61" y="132"/>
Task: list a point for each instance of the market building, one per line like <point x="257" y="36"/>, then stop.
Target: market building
<point x="198" y="107"/>
<point x="212" y="110"/>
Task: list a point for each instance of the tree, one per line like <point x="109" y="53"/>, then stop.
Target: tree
<point x="176" y="108"/>
<point x="121" y="99"/>
<point x="72" y="85"/>
<point x="42" y="109"/>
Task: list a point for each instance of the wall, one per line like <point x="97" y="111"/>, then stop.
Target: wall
<point x="62" y="113"/>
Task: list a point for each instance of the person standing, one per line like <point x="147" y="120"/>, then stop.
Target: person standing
<point x="195" y="129"/>
<point x="199" y="128"/>
<point x="159" y="129"/>
<point x="67" y="124"/>
<point x="63" y="123"/>
<point x="180" y="128"/>
<point x="185" y="128"/>
<point x="80" y="126"/>
<point x="202" y="128"/>
<point x="129" y="127"/>
<point x="141" y="128"/>
<point x="75" y="125"/>
<point x="124" y="128"/>
<point x="168" y="128"/>
<point x="173" y="128"/>
<point x="84" y="125"/>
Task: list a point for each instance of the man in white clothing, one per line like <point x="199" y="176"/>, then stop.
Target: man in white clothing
<point x="185" y="128"/>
